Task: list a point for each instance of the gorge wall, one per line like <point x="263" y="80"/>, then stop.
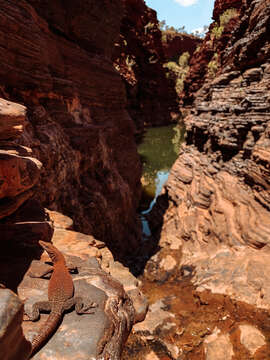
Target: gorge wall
<point x="56" y="60"/>
<point x="208" y="59"/>
<point x="138" y="56"/>
<point x="175" y="44"/>
<point x="23" y="222"/>
<point x="215" y="207"/>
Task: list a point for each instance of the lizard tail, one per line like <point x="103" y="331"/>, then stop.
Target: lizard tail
<point x="46" y="331"/>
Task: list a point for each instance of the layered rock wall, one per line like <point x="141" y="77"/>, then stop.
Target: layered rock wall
<point x="23" y="222"/>
<point x="216" y="203"/>
<point x="207" y="61"/>
<point x="139" y="57"/>
<point x="56" y="60"/>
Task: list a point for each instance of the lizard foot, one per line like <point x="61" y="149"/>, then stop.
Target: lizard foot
<point x="41" y="306"/>
<point x="84" y="308"/>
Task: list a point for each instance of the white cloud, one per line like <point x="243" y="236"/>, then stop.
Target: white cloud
<point x="198" y="31"/>
<point x="186" y="2"/>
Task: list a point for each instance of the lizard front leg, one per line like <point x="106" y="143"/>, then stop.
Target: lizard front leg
<point x="81" y="307"/>
<point x="37" y="308"/>
<point x="40" y="270"/>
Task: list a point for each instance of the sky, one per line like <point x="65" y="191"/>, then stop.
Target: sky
<point x="193" y="14"/>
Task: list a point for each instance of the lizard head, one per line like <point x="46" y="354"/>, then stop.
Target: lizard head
<point x="52" y="251"/>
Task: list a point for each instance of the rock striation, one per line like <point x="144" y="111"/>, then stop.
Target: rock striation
<point x="56" y="60"/>
<point x="215" y="205"/>
<point x="23" y="223"/>
<point x="208" y="59"/>
<point x="138" y="56"/>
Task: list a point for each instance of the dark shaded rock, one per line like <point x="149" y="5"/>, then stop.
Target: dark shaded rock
<point x="13" y="345"/>
<point x="77" y="123"/>
<point x="176" y="44"/>
<point x="138" y="56"/>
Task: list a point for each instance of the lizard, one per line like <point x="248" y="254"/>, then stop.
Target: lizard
<point x="60" y="297"/>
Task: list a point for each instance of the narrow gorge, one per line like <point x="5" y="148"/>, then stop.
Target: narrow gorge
<point x="82" y="84"/>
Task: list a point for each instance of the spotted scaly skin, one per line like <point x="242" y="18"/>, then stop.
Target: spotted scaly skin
<point x="60" y="296"/>
<point x="60" y="290"/>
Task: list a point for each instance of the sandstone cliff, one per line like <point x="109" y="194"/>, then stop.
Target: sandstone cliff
<point x="56" y="60"/>
<point x="216" y="204"/>
<point x="139" y="57"/>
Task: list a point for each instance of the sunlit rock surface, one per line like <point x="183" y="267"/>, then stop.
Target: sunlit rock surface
<point x="215" y="205"/>
<point x="120" y="303"/>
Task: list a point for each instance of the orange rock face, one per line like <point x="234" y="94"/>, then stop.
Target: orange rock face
<point x="57" y="63"/>
<point x="215" y="206"/>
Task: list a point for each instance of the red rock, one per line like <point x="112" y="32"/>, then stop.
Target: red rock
<point x="215" y="205"/>
<point x="17" y="173"/>
<point x="139" y="57"/>
<point x="12" y="117"/>
<point x="57" y="62"/>
<point x="176" y="44"/>
<point x="213" y="48"/>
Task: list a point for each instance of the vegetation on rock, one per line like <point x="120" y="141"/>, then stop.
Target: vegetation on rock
<point x="213" y="66"/>
<point x="224" y="19"/>
<point x="178" y="71"/>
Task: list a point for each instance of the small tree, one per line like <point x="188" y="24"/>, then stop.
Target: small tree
<point x="183" y="59"/>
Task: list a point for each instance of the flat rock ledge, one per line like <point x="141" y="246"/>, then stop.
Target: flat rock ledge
<point x="98" y="278"/>
<point x="13" y="344"/>
<point x="100" y="335"/>
<point x="120" y="304"/>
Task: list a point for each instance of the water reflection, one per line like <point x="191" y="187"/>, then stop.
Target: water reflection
<point x="158" y="151"/>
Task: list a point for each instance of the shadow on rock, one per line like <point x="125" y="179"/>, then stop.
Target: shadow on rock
<point x="20" y="233"/>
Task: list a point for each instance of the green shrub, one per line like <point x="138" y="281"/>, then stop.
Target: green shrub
<point x="178" y="73"/>
<point x="227" y="16"/>
<point x="148" y="27"/>
<point x="183" y="59"/>
<point x="172" y="66"/>
<point x="198" y="48"/>
<point x="179" y="86"/>
<point x="164" y="37"/>
<point x="130" y="62"/>
<point x="217" y="31"/>
<point x="213" y="66"/>
<point x="223" y="21"/>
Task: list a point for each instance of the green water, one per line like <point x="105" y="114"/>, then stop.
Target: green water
<point x="158" y="151"/>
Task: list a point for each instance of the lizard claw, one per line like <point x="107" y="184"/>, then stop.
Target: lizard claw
<point x="86" y="308"/>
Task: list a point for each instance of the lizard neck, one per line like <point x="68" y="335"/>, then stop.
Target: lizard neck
<point x="56" y="256"/>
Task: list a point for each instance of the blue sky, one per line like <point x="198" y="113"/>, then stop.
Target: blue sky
<point x="194" y="14"/>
